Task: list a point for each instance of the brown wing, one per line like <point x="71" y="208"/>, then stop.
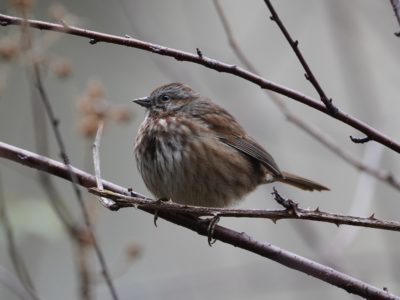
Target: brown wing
<point x="229" y="131"/>
<point x="254" y="150"/>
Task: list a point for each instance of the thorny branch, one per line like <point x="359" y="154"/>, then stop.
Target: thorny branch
<point x="313" y="131"/>
<point x="274" y="215"/>
<point x="237" y="239"/>
<point x="96" y="37"/>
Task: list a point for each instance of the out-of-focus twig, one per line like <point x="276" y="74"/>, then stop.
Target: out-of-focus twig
<point x="13" y="252"/>
<point x="237" y="239"/>
<point x="313" y="131"/>
<point x="364" y="195"/>
<point x="55" y="122"/>
<point x="96" y="37"/>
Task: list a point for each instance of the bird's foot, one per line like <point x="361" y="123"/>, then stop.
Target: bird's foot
<point x="290" y="205"/>
<point x="159" y="201"/>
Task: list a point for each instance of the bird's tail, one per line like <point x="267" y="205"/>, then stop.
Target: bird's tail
<point x="301" y="182"/>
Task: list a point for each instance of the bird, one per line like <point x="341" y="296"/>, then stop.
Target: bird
<point x="192" y="151"/>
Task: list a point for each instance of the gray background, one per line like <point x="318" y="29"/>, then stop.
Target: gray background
<point x="351" y="48"/>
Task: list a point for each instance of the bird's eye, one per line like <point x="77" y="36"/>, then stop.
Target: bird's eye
<point x="165" y="97"/>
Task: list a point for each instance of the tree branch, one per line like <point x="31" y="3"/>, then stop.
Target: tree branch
<point x="237" y="239"/>
<point x="313" y="131"/>
<point x="274" y="215"/>
<point x="96" y="37"/>
<point x="295" y="46"/>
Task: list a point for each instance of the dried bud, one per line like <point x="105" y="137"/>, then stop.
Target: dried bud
<point x="121" y="114"/>
<point x="133" y="251"/>
<point x="9" y="48"/>
<point x="62" y="68"/>
<point x="88" y="125"/>
<point x="95" y="89"/>
<point x="22" y="5"/>
<point x="57" y="11"/>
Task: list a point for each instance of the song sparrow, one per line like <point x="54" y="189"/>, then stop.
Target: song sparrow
<point x="192" y="151"/>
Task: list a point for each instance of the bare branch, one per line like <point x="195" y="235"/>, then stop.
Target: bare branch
<point x="237" y="239"/>
<point x="295" y="46"/>
<point x="274" y="215"/>
<point x="96" y="162"/>
<point x="210" y="63"/>
<point x="313" y="131"/>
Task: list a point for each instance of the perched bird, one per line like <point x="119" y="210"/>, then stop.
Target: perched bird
<point x="192" y="151"/>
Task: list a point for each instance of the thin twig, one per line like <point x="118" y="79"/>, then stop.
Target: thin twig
<point x="295" y="46"/>
<point x="313" y="131"/>
<point x="74" y="180"/>
<point x="210" y="63"/>
<point x="237" y="239"/>
<point x="42" y="146"/>
<point x="16" y="258"/>
<point x="96" y="163"/>
<point x="396" y="8"/>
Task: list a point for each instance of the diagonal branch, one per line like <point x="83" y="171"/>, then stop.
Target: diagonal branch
<point x="295" y="46"/>
<point x="237" y="239"/>
<point x="96" y="37"/>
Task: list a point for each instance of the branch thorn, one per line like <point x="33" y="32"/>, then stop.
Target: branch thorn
<point x="199" y="53"/>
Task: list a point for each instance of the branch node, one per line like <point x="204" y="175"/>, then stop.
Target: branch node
<point x="127" y="36"/>
<point x="357" y="140"/>
<point x="372" y="217"/>
<point x="307" y="76"/>
<point x="199" y="53"/>
<point x="317" y="210"/>
<point x="296" y="43"/>
<point x="93" y="41"/>
<point x="395" y="33"/>
<point x="272" y="18"/>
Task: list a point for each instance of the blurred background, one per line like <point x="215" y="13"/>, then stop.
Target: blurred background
<point x="349" y="45"/>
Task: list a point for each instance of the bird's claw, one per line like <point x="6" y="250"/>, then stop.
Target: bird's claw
<point x="211" y="228"/>
<point x="159" y="201"/>
<point x="290" y="205"/>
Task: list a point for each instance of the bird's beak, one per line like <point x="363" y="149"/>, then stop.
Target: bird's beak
<point x="145" y="102"/>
